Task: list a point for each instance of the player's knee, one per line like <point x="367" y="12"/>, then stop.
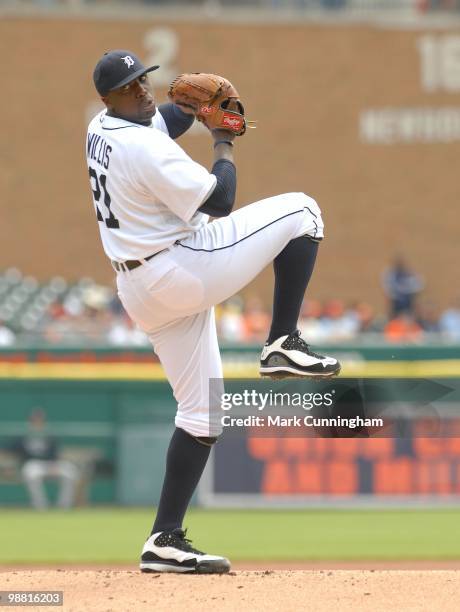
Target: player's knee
<point x="206" y="441"/>
<point x="315" y="219"/>
<point x="298" y="199"/>
<point x="68" y="470"/>
<point x="311" y="222"/>
<point x="313" y="239"/>
<point x="32" y="471"/>
<point x="310" y="203"/>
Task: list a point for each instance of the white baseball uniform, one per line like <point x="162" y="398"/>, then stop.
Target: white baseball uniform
<point x="147" y="191"/>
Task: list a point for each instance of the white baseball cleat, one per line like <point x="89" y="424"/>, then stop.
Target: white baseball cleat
<point x="171" y="551"/>
<point x="290" y="356"/>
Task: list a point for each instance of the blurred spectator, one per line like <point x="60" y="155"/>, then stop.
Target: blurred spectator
<point x="449" y="323"/>
<point x="425" y="6"/>
<point x="91" y="325"/>
<point x="81" y="316"/>
<point x="367" y="321"/>
<point x="39" y="454"/>
<point x="7" y="337"/>
<point x="303" y="4"/>
<point x="339" y="323"/>
<point x="310" y="320"/>
<point x="84" y="313"/>
<point x="427" y="317"/>
<point x="71" y="3"/>
<point x="329" y="322"/>
<point x="231" y="321"/>
<point x="403" y="328"/>
<point x="123" y="332"/>
<point x="333" y="4"/>
<point x="256" y="320"/>
<point x="401" y="286"/>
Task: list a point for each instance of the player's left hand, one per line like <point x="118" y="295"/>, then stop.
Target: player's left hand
<point x="215" y="101"/>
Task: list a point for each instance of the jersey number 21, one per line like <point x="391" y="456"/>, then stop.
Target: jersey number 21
<point x="111" y="221"/>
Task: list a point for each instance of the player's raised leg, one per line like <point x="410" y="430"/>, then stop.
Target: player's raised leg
<point x="285" y="352"/>
<point x="228" y="253"/>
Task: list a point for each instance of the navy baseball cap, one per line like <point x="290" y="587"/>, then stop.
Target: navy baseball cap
<point x="117" y="68"/>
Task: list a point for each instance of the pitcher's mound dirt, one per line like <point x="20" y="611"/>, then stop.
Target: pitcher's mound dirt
<point x="363" y="590"/>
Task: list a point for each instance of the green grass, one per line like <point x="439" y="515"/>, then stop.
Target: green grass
<point x="116" y="535"/>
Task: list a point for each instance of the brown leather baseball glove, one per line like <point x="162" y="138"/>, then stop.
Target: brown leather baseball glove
<point x="215" y="101"/>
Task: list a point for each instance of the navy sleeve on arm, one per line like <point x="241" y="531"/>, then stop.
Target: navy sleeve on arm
<point x="221" y="200"/>
<point x="176" y="120"/>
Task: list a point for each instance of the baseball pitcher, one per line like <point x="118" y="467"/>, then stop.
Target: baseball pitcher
<point x="153" y="204"/>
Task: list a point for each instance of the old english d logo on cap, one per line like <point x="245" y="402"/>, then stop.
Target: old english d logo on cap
<point x="128" y="60"/>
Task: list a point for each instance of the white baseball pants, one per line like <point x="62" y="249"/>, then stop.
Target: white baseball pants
<point x="171" y="296"/>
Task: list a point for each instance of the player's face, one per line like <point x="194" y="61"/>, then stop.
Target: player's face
<point x="133" y="102"/>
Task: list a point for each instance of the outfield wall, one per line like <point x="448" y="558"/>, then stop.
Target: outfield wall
<point x="119" y="431"/>
<point x="112" y="412"/>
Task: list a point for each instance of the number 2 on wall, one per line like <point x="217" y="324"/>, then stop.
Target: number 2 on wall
<point x="111" y="221"/>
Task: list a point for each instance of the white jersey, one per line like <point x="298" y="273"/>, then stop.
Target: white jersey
<point x="146" y="189"/>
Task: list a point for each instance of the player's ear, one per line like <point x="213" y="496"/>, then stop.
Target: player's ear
<point x="107" y="101"/>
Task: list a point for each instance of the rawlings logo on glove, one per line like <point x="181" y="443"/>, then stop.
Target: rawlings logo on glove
<point x="214" y="100"/>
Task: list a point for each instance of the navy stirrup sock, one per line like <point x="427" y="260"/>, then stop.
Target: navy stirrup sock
<point x="293" y="268"/>
<point x="185" y="462"/>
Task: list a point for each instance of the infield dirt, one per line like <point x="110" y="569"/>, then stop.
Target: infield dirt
<point x="290" y="590"/>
